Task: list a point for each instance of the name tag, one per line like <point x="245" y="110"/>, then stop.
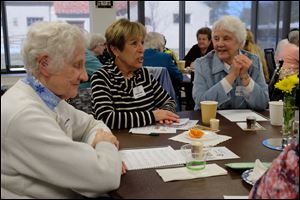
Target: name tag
<point x="239" y="91"/>
<point x="138" y="92"/>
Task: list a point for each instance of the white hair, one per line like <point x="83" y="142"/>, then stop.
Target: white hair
<point x="94" y="39"/>
<point x="154" y="40"/>
<point x="293" y="37"/>
<point x="233" y="25"/>
<point x="57" y="40"/>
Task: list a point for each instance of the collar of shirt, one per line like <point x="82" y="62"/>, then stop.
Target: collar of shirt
<point x="49" y="98"/>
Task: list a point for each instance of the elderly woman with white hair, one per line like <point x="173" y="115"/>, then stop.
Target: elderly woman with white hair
<point x="95" y="48"/>
<point x="154" y="56"/>
<point x="48" y="148"/>
<point x="229" y="75"/>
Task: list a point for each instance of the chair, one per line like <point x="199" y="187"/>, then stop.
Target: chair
<point x="161" y="74"/>
<point x="269" y="55"/>
<point x="83" y="100"/>
<point x="275" y="94"/>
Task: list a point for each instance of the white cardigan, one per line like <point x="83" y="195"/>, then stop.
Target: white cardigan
<point x="46" y="154"/>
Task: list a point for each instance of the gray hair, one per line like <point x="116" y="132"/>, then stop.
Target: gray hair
<point x="154" y="40"/>
<point x="293" y="37"/>
<point x="233" y="25"/>
<point x="94" y="39"/>
<point x="57" y="40"/>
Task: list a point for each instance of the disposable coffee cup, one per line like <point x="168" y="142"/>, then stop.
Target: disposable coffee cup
<point x="251" y="121"/>
<point x="208" y="111"/>
<point x="214" y="124"/>
<point x="276" y="112"/>
<point x="181" y="65"/>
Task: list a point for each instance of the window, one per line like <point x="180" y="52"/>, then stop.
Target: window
<point x="205" y="13"/>
<point x="176" y="18"/>
<point x="31" y="20"/>
<point x="160" y="15"/>
<point x="22" y="14"/>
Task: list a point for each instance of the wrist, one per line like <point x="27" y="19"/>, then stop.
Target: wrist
<point x="244" y="77"/>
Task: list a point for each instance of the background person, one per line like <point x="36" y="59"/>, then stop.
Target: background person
<point x="228" y="75"/>
<point x="48" y="148"/>
<point x="154" y="56"/>
<point x="124" y="94"/>
<point x="288" y="50"/>
<point x="253" y="48"/>
<point x="95" y="47"/>
<point x="281" y="181"/>
<point x="200" y="49"/>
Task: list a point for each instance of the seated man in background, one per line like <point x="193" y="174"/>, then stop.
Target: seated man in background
<point x="124" y="94"/>
<point x="228" y="75"/>
<point x="48" y="148"/>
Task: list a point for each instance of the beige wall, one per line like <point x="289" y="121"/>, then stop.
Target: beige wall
<point x="101" y="18"/>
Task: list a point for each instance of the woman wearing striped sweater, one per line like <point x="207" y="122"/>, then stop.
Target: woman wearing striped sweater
<point x="124" y="94"/>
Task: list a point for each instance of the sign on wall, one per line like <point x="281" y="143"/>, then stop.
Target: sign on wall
<point x="104" y="4"/>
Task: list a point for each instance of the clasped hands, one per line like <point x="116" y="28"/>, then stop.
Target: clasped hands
<point x="239" y="68"/>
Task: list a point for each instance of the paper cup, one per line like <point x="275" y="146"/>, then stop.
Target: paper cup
<point x="181" y="65"/>
<point x="208" y="111"/>
<point x="276" y="112"/>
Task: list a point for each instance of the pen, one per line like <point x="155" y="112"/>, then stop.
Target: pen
<point x="154" y="134"/>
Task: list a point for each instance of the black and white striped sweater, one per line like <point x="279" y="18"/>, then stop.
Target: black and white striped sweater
<point x="114" y="103"/>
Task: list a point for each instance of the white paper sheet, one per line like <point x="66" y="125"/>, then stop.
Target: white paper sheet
<point x="240" y="115"/>
<point x="235" y="197"/>
<point x="218" y="153"/>
<point x="184" y="124"/>
<point x="182" y="173"/>
<point x="151" y="158"/>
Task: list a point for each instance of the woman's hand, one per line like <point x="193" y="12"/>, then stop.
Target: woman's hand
<point x="124" y="168"/>
<point x="243" y="63"/>
<point x="165" y="116"/>
<point x="102" y="135"/>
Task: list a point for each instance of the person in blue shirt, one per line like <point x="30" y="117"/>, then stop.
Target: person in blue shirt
<point x="95" y="47"/>
<point x="229" y="75"/>
<point x="154" y="57"/>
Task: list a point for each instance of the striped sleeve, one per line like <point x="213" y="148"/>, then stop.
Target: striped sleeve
<point x="162" y="99"/>
<point x="116" y="113"/>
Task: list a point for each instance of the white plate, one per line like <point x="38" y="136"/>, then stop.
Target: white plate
<point x="208" y="135"/>
<point x="245" y="176"/>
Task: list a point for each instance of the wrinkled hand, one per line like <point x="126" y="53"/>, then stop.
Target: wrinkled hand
<point x="165" y="116"/>
<point x="242" y="62"/>
<point x="102" y="135"/>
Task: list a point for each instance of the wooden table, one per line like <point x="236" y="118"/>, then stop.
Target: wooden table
<point x="145" y="184"/>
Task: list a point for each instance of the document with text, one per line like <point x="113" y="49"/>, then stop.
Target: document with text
<point x="150" y="157"/>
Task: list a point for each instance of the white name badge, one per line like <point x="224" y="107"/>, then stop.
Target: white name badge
<point x="239" y="91"/>
<point x="138" y="92"/>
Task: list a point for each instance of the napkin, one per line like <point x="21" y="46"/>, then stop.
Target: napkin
<point x="183" y="173"/>
<point x="207" y="143"/>
<point x="258" y="170"/>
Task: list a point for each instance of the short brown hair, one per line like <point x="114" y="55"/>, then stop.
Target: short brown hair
<point x="206" y="31"/>
<point x="120" y="31"/>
